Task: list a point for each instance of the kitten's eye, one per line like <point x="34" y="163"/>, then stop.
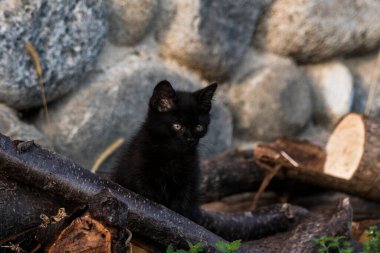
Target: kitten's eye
<point x="177" y="126"/>
<point x="199" y="128"/>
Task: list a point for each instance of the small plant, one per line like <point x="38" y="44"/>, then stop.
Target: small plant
<point x="193" y="248"/>
<point x="226" y="247"/>
<point x="223" y="247"/>
<point x="330" y="244"/>
<point x="372" y="243"/>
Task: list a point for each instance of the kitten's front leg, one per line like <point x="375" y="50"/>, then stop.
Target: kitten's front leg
<point x="186" y="203"/>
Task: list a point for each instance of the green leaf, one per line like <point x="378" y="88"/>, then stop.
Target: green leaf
<point x="170" y="249"/>
<point x="195" y="248"/>
<point x="199" y="247"/>
<point x="222" y="246"/>
<point x="235" y="245"/>
<point x="347" y="250"/>
<point x="327" y="244"/>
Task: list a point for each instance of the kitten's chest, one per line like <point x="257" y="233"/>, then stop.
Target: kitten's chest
<point x="169" y="188"/>
<point x="174" y="175"/>
<point x="175" y="167"/>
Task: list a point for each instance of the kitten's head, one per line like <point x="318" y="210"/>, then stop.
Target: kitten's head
<point x="179" y="119"/>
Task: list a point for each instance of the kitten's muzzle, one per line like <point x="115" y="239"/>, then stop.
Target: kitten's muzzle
<point x="191" y="141"/>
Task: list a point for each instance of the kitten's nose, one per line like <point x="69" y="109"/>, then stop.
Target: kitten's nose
<point x="191" y="141"/>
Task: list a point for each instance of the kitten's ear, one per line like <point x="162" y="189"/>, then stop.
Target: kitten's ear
<point x="205" y="95"/>
<point x="164" y="97"/>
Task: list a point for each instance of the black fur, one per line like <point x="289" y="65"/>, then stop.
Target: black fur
<point x="161" y="161"/>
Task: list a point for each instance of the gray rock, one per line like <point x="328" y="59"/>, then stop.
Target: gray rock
<point x="113" y="104"/>
<point x="210" y="37"/>
<point x="219" y="137"/>
<point x="311" y="31"/>
<point x="366" y="72"/>
<point x="316" y="134"/>
<point x="130" y="20"/>
<point x="332" y="91"/>
<point x="67" y="36"/>
<point x="273" y="99"/>
<point x="12" y="126"/>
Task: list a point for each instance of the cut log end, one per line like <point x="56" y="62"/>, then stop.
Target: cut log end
<point x="345" y="147"/>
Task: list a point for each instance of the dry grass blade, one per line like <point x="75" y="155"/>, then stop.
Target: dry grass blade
<point x="106" y="153"/>
<point x="373" y="87"/>
<point x="37" y="65"/>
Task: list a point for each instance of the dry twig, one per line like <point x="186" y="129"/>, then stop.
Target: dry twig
<point x="283" y="158"/>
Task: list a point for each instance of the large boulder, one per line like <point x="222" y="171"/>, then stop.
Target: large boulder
<point x="332" y="91"/>
<point x="130" y="20"/>
<point x="314" y="30"/>
<point x="12" y="126"/>
<point x="67" y="36"/>
<point x="366" y="72"/>
<point x="271" y="98"/>
<point x="210" y="37"/>
<point x="113" y="103"/>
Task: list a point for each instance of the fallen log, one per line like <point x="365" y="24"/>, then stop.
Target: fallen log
<point x="32" y="167"/>
<point x="229" y="173"/>
<point x="350" y="163"/>
<point x="255" y="224"/>
<point x="299" y="240"/>
<point x="322" y="202"/>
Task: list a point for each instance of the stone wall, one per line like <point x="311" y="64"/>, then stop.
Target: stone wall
<point x="285" y="67"/>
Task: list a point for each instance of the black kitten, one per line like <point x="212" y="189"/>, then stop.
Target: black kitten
<point x="161" y="161"/>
